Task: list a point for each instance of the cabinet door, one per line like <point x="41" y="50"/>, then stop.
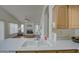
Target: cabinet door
<point x="61" y="17"/>
<point x="73" y="16"/>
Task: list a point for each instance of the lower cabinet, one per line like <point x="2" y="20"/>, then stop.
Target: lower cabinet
<point x="67" y="51"/>
<point x="78" y="51"/>
<point x="50" y="51"/>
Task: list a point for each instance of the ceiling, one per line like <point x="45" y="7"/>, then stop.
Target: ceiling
<point x="32" y="12"/>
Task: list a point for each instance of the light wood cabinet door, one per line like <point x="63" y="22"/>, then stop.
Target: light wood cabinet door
<point x="61" y="17"/>
<point x="66" y="17"/>
<point x="73" y="16"/>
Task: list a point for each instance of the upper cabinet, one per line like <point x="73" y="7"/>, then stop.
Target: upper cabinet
<point x="66" y="16"/>
<point x="73" y="16"/>
<point x="61" y="16"/>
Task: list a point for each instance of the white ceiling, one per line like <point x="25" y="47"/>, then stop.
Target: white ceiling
<point x="33" y="12"/>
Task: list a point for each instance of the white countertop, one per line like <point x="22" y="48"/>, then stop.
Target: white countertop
<point x="58" y="45"/>
<point x="10" y="44"/>
<point x="15" y="44"/>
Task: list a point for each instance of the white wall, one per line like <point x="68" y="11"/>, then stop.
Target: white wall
<point x="13" y="28"/>
<point x="1" y="30"/>
<point x="7" y="18"/>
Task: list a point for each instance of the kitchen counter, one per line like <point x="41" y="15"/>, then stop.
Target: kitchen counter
<point x="58" y="45"/>
<point x="16" y="44"/>
<point x="11" y="44"/>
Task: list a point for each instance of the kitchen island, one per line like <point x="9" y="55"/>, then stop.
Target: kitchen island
<point x="23" y="45"/>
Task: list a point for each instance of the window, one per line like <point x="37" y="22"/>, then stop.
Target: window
<point x="36" y="29"/>
<point x="13" y="28"/>
<point x="22" y="28"/>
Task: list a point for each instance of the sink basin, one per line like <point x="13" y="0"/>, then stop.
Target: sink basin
<point x="30" y="44"/>
<point x="35" y="43"/>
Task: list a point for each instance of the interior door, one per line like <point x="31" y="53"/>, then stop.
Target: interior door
<point x="1" y="30"/>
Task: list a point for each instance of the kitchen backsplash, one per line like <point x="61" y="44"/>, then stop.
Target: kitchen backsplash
<point x="76" y="32"/>
<point x="65" y="33"/>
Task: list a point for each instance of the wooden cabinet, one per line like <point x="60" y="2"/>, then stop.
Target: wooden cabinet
<point x="73" y="16"/>
<point x="66" y="16"/>
<point x="61" y="16"/>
